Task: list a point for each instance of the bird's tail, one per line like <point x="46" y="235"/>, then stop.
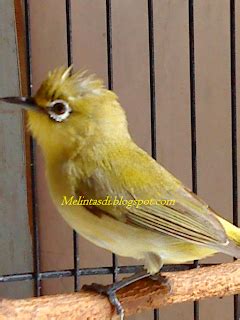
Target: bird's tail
<point x="233" y="233"/>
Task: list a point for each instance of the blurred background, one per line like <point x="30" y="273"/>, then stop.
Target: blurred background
<point x="130" y="54"/>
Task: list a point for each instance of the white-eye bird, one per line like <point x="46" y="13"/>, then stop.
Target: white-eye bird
<point x="89" y="153"/>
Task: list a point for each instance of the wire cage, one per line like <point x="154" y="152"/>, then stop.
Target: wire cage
<point x="78" y="272"/>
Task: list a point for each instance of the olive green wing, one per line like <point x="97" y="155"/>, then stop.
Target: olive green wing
<point x="189" y="218"/>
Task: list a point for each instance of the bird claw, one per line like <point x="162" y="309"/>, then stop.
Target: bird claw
<point x="110" y="290"/>
<point x="99" y="288"/>
<point x="110" y="293"/>
<point x="163" y="280"/>
<point x="158" y="277"/>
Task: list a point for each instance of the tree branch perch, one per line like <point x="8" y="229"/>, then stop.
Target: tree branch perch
<point x="195" y="284"/>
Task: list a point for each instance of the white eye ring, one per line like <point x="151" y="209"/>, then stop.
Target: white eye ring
<point x="59" y="110"/>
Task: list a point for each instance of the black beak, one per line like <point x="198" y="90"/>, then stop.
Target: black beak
<point x="24" y="102"/>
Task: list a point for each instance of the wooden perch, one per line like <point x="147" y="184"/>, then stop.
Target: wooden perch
<point x="195" y="284"/>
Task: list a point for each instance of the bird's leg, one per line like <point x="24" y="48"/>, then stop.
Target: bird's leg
<point x="110" y="290"/>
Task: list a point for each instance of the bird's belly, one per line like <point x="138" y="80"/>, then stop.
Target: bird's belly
<point x="130" y="241"/>
<point x="107" y="232"/>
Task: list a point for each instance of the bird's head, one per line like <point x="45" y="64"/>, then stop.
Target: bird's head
<point x="69" y="109"/>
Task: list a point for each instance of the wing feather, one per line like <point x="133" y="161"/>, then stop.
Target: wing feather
<point x="189" y="219"/>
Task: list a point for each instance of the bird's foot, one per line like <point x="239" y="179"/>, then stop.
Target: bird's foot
<point x="99" y="288"/>
<point x="163" y="280"/>
<point x="110" y="292"/>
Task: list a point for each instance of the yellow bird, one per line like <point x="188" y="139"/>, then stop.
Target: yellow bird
<point x="90" y="157"/>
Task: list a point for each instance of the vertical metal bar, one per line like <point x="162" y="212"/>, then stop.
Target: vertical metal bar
<point x="193" y="118"/>
<point x="76" y="260"/>
<point x="152" y="94"/>
<point x="234" y="131"/>
<point x="36" y="242"/>
<point x="69" y="31"/>
<point x="192" y="96"/>
<point x="109" y="43"/>
<point x="152" y="79"/>
<point x="110" y="87"/>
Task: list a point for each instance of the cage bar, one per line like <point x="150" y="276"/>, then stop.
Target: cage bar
<point x="76" y="259"/>
<point x="234" y="131"/>
<point x="36" y="242"/>
<point x="110" y="87"/>
<point x="152" y="80"/>
<point x="193" y="120"/>
<point x="152" y="95"/>
<point x="92" y="271"/>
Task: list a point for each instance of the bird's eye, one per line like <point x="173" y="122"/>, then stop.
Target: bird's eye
<point x="59" y="110"/>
